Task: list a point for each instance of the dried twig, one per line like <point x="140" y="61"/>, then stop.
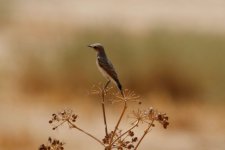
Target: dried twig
<point x="116" y="139"/>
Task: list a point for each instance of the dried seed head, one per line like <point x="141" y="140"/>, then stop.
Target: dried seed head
<point x="53" y="144"/>
<point x="135" y="139"/>
<point x="128" y="96"/>
<point x="150" y="115"/>
<point x="61" y="117"/>
<point x="138" y="116"/>
<point x="99" y="89"/>
<point x="131" y="133"/>
<point x="130" y="146"/>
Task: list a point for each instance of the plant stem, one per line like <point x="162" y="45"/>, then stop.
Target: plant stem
<point x="85" y="132"/>
<point x="145" y="132"/>
<point x="103" y="111"/>
<point x="117" y="125"/>
<point x="103" y="107"/>
<point x="135" y="125"/>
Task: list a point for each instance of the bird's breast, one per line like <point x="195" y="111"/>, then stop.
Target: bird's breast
<point x="103" y="72"/>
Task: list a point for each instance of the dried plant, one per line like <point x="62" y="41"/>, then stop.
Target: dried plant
<point x="115" y="139"/>
<point x="53" y="144"/>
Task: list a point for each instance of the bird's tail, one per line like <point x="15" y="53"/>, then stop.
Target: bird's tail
<point x="120" y="88"/>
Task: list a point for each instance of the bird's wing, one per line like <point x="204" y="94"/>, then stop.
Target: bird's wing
<point x="108" y="67"/>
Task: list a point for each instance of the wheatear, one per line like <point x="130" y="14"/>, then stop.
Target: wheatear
<point x="105" y="66"/>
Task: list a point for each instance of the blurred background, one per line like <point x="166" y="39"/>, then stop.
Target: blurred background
<point x="172" y="53"/>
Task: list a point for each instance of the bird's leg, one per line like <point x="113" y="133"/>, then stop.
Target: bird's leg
<point x="106" y="85"/>
<point x="103" y="107"/>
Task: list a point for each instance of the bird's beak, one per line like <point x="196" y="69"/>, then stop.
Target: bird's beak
<point x="90" y="46"/>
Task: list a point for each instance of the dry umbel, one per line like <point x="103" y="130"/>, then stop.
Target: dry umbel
<point x="53" y="144"/>
<point x="125" y="139"/>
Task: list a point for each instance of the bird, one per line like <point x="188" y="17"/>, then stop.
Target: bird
<point x="106" y="67"/>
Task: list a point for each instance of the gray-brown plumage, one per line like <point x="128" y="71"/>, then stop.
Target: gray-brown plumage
<point x="105" y="66"/>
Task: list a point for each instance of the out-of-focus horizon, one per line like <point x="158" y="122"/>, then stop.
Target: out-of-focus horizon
<point x="170" y="52"/>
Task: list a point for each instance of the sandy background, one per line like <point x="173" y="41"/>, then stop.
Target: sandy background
<point x="169" y="52"/>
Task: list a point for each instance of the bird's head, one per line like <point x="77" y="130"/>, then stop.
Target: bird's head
<point x="96" y="46"/>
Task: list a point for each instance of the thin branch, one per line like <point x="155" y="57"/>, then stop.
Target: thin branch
<point x="106" y="85"/>
<point x="145" y="132"/>
<point x="103" y="107"/>
<point x="117" y="125"/>
<point x="135" y="125"/>
<point x="85" y="132"/>
<point x="58" y="125"/>
<point x="124" y="138"/>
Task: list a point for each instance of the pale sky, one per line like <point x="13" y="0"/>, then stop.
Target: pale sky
<point x="206" y="15"/>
